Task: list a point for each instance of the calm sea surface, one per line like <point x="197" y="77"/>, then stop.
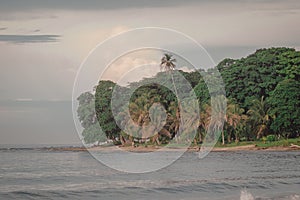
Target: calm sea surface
<point x="37" y="174"/>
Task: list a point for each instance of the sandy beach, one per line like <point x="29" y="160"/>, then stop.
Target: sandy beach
<point x="190" y="149"/>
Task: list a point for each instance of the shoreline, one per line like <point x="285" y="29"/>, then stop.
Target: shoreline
<point x="215" y="149"/>
<point x="142" y="149"/>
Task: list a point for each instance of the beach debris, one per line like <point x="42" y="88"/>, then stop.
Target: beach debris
<point x="294" y="146"/>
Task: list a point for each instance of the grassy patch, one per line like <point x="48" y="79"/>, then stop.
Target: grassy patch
<point x="278" y="143"/>
<point x="266" y="144"/>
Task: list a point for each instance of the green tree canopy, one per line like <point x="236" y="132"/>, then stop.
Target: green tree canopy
<point x="285" y="103"/>
<point x="105" y="117"/>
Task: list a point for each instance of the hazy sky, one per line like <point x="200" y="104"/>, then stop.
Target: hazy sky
<point x="42" y="43"/>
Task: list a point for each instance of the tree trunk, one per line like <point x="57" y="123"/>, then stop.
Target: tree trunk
<point x="223" y="138"/>
<point x="123" y="141"/>
<point x="229" y="138"/>
<point x="195" y="142"/>
<point x="157" y="140"/>
<point x="237" y="138"/>
<point x="200" y="137"/>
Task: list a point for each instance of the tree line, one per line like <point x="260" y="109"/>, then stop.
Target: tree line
<point x="262" y="101"/>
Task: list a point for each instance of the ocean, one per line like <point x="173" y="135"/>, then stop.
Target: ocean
<point x="246" y="175"/>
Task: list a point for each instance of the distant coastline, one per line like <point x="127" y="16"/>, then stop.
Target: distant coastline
<point x="153" y="148"/>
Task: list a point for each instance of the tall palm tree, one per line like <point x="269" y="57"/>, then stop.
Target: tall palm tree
<point x="167" y="62"/>
<point x="259" y="116"/>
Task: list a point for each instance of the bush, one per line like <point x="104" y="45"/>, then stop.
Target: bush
<point x="271" y="138"/>
<point x="264" y="139"/>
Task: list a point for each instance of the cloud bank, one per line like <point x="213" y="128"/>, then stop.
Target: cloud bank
<point x="29" y="38"/>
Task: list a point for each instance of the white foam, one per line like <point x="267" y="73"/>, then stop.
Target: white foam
<point x="245" y="195"/>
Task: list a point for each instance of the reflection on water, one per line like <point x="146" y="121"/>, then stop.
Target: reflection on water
<point x="221" y="175"/>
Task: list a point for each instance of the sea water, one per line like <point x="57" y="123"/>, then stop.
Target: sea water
<point x="40" y="174"/>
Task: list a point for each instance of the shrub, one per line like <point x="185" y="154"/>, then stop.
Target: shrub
<point x="264" y="139"/>
<point x="271" y="138"/>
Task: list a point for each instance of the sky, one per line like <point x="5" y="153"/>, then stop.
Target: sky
<point x="43" y="43"/>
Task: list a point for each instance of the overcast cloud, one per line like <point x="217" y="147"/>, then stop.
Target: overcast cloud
<point x="42" y="43"/>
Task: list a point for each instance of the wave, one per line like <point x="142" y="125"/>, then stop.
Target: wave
<point x="131" y="193"/>
<point x="246" y="195"/>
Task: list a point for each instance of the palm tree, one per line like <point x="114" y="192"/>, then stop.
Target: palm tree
<point x="259" y="115"/>
<point x="141" y="117"/>
<point x="205" y="112"/>
<point x="234" y="117"/>
<point x="217" y="115"/>
<point x="173" y="118"/>
<point x="190" y="120"/>
<point x="167" y="62"/>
